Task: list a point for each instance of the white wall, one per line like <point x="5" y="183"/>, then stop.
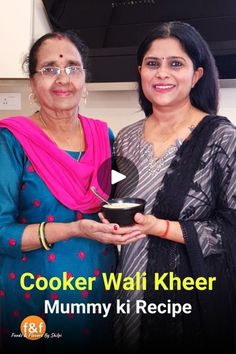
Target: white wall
<point x="21" y="23"/>
<point x="228" y="103"/>
<point x="40" y="20"/>
<point x="120" y="108"/>
<point x="16" y="33"/>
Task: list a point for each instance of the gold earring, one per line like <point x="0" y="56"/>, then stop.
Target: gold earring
<point x="32" y="98"/>
<point x="85" y="96"/>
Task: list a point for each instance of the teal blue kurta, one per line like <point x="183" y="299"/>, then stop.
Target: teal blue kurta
<point x="25" y="199"/>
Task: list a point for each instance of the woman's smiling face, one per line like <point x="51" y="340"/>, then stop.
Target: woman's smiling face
<point x="62" y="92"/>
<point x="167" y="73"/>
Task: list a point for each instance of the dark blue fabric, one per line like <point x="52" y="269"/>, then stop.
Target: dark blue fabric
<point x="25" y="199"/>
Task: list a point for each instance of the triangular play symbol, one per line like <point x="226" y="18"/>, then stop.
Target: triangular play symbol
<point x="116" y="177"/>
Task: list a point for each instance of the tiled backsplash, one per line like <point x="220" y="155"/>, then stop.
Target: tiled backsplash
<point x="117" y="105"/>
<point x="22" y="87"/>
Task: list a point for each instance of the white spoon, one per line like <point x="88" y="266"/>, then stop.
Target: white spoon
<point x="93" y="189"/>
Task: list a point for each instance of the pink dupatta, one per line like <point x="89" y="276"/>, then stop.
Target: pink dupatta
<point x="68" y="180"/>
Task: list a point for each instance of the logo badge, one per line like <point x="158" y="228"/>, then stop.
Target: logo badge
<point x="33" y="327"/>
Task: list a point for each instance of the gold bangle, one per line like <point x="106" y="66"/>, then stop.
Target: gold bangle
<point x="42" y="237"/>
<point x="49" y="245"/>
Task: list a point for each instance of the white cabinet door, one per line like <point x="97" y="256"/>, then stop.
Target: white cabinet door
<point x="15" y="36"/>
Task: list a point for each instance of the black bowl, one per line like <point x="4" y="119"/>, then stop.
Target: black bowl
<point x="120" y="214"/>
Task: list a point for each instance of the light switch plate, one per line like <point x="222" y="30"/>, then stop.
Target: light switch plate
<point x="10" y="101"/>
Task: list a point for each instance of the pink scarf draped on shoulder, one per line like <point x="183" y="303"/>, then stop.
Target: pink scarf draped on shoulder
<point x="68" y="180"/>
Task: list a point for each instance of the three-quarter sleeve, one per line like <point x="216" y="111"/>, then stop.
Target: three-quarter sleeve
<point x="12" y="159"/>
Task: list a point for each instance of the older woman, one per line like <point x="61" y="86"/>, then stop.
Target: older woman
<point x="48" y="215"/>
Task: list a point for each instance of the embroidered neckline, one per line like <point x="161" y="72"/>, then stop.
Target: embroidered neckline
<point x="146" y="149"/>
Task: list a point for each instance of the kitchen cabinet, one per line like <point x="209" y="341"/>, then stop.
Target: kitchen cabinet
<point x="21" y="23"/>
<point x="16" y="34"/>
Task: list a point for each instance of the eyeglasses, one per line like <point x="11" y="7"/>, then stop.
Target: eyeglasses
<point x="53" y="71"/>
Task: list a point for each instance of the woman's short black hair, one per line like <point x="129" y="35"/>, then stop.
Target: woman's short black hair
<point x="205" y="94"/>
<point x="31" y="60"/>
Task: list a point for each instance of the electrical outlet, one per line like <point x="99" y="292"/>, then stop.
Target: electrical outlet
<point x="10" y="101"/>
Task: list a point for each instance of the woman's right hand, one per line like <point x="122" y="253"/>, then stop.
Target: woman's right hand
<point x="104" y="232"/>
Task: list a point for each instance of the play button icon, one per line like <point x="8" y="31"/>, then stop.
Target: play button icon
<point x="116" y="177"/>
<point x="124" y="175"/>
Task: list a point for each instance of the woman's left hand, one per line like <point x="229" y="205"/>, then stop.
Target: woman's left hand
<point x="148" y="224"/>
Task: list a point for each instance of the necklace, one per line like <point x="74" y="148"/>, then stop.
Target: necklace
<point x="52" y="137"/>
